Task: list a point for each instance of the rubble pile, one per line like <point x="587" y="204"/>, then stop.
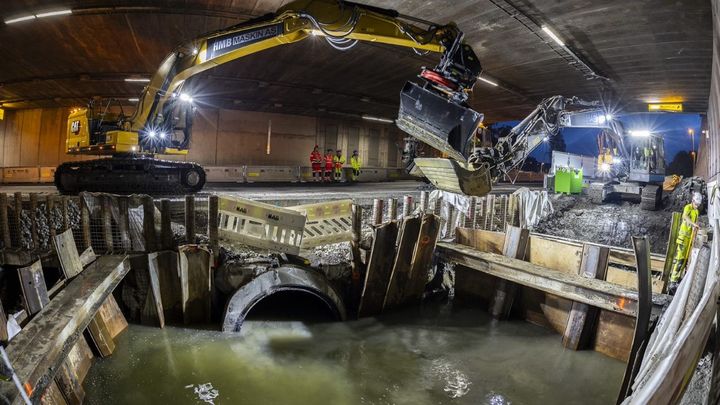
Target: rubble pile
<point x="613" y="224"/>
<point x="682" y="194"/>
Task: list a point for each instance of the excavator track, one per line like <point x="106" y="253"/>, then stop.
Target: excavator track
<point x="130" y="175"/>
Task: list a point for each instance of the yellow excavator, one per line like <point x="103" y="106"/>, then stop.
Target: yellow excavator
<point x="434" y="111"/>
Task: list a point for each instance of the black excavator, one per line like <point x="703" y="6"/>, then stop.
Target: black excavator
<point x="434" y="110"/>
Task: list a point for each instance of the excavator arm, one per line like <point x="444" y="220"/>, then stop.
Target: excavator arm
<point x="434" y="111"/>
<point x="342" y="24"/>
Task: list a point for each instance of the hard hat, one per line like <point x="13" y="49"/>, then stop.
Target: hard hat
<point x="339" y="150"/>
<point x="697" y="198"/>
<point x="355" y="152"/>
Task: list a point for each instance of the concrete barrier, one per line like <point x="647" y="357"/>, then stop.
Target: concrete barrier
<point x="47" y="174"/>
<point x="224" y="174"/>
<point x="21" y="175"/>
<point x="263" y="174"/>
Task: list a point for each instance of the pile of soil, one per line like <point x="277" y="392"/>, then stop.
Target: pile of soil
<point x="613" y="224"/>
<point x="682" y="194"/>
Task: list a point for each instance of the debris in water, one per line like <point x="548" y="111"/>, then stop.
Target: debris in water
<point x="457" y="383"/>
<point x="205" y="392"/>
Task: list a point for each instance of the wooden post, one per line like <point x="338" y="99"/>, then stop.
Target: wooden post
<point x="671" y="248"/>
<point x="190" y="219"/>
<point x="400" y="275"/>
<point x="424" y="197"/>
<point x="422" y="258"/>
<point x="3" y="325"/>
<point x="582" y="318"/>
<point x="124" y="223"/>
<point x="34" y="221"/>
<point x="449" y="223"/>
<point x="407" y="206"/>
<point x="392" y="209"/>
<point x="213" y="225"/>
<point x="358" y="267"/>
<point x="68" y="383"/>
<point x="5" y="230"/>
<point x="472" y="213"/>
<point x="65" y="217"/>
<point x="50" y="209"/>
<point x="149" y="224"/>
<point x="100" y="336"/>
<point x="491" y="215"/>
<point x="34" y="289"/>
<point x="85" y="222"/>
<point x="17" y="220"/>
<point x="515" y="246"/>
<point x="106" y="212"/>
<point x="166" y="235"/>
<point x="377" y="212"/>
<point x="378" y="269"/>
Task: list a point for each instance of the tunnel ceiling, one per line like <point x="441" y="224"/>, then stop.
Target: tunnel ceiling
<point x="650" y="50"/>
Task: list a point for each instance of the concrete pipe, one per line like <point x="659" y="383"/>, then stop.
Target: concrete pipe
<point x="286" y="278"/>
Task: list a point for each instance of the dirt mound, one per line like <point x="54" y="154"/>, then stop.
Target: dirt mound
<point x="575" y="217"/>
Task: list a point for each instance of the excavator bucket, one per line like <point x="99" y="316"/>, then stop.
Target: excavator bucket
<point x="450" y="175"/>
<point x="435" y="120"/>
<point x="446" y="126"/>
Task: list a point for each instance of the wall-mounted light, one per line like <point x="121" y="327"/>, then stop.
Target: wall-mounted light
<point x="552" y="35"/>
<point x="378" y="119"/>
<point x="133" y="100"/>
<point x="137" y="80"/>
<point x="53" y="13"/>
<point x="490" y="82"/>
<point x="43" y="14"/>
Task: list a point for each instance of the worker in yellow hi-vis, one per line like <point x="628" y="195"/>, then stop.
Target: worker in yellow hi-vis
<point x="684" y="238"/>
<point x="355" y="164"/>
<point x="339" y="161"/>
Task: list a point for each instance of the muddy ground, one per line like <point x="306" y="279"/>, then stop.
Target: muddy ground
<point x="613" y="224"/>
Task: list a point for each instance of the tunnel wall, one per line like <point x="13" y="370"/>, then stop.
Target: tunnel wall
<point x="221" y="137"/>
<point x="712" y="152"/>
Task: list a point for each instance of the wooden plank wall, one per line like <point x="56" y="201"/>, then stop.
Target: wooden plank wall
<point x="221" y="137"/>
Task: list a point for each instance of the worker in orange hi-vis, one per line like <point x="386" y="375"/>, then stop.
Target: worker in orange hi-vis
<point x="329" y="164"/>
<point x="316" y="160"/>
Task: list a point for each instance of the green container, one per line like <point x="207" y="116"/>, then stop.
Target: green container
<point x="576" y="183"/>
<point x="568" y="181"/>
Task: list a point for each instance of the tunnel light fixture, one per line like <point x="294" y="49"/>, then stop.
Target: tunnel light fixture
<point x="137" y="80"/>
<point x="640" y="133"/>
<point x="133" y="99"/>
<point x="552" y="35"/>
<point x="490" y="82"/>
<point x="53" y="13"/>
<point x="20" y="19"/>
<point x="377" y="119"/>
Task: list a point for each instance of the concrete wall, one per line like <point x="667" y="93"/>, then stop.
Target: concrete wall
<point x="711" y="155"/>
<point x="36" y="137"/>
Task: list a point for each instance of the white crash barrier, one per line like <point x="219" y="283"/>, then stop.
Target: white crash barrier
<point x="260" y="225"/>
<point x="224" y="174"/>
<point x="271" y="173"/>
<point x="328" y="222"/>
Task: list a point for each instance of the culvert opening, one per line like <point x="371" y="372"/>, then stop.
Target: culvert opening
<point x="292" y="305"/>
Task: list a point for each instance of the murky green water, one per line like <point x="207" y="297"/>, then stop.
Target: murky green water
<point x="433" y="357"/>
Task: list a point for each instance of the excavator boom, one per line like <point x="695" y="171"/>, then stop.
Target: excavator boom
<point x="433" y="110"/>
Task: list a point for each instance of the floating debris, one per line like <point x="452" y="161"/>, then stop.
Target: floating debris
<point x="205" y="392"/>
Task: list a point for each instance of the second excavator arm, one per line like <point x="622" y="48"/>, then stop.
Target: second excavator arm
<point x="540" y="125"/>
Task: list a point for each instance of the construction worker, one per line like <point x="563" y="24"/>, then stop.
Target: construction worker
<point x="316" y="160"/>
<point x="339" y="161"/>
<point x="355" y="164"/>
<point x="684" y="238"/>
<point x="329" y="157"/>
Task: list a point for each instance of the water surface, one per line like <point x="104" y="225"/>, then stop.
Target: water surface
<point x="415" y="357"/>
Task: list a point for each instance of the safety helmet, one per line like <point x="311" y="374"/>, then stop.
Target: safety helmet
<point x="339" y="150"/>
<point x="355" y="152"/>
<point x="697" y="198"/>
